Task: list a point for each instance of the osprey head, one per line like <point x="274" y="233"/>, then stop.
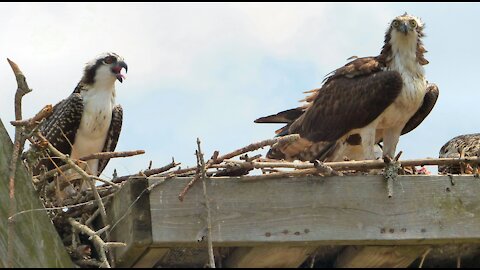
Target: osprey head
<point x="407" y="25"/>
<point x="106" y="68"/>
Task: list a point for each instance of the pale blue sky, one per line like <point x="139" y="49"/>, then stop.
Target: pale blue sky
<point x="209" y="70"/>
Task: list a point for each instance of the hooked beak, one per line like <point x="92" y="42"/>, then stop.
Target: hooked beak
<point x="403" y="28"/>
<point x="117" y="69"/>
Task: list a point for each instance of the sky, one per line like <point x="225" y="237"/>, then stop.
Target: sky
<point x="208" y="70"/>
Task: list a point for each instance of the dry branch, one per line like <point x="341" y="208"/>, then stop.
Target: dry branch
<point x="42" y="114"/>
<point x="109" y="155"/>
<point x="148" y="173"/>
<point x="22" y="89"/>
<point x="357" y="165"/>
<point x="100" y="245"/>
<point x="202" y="170"/>
<point x="258" y="145"/>
<point x="251" y="147"/>
<point x="86" y="177"/>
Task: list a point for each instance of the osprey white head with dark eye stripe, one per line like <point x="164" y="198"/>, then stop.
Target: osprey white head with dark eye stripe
<point x="88" y="121"/>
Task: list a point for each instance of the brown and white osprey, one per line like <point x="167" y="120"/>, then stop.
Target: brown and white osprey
<point x="370" y="99"/>
<point x="461" y="146"/>
<point x="88" y="121"/>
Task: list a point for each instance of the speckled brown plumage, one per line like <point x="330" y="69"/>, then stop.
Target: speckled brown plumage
<point x="469" y="144"/>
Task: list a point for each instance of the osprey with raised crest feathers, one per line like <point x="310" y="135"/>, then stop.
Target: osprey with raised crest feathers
<point x="88" y="121"/>
<point x="369" y="100"/>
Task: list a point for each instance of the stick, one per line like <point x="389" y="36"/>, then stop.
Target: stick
<point x="109" y="155"/>
<point x="101" y="155"/>
<point x="147" y="173"/>
<point x="258" y="145"/>
<point x="22" y="89"/>
<point x="82" y="173"/>
<point x="248" y="148"/>
<point x="42" y="114"/>
<point x="359" y="165"/>
<point x="97" y="241"/>
<point x="207" y="204"/>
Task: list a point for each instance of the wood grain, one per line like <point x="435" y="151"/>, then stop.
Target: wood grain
<point x="346" y="210"/>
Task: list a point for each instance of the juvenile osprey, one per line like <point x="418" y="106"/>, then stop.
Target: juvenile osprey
<point x="464" y="145"/>
<point x="88" y="121"/>
<point x="370" y="99"/>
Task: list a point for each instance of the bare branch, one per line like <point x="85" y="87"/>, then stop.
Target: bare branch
<point x="22" y="89"/>
<point x="109" y="155"/>
<point x="97" y="240"/>
<point x="42" y="114"/>
<point x="202" y="170"/>
<point x="148" y="173"/>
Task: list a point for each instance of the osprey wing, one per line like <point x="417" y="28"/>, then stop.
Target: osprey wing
<point x="351" y="98"/>
<point x="112" y="136"/>
<point x="60" y="128"/>
<point x="429" y="101"/>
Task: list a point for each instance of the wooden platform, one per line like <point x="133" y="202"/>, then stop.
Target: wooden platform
<point x="36" y="243"/>
<point x="343" y="221"/>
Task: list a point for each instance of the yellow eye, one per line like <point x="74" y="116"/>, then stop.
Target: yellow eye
<point x="395" y="23"/>
<point x="413" y="23"/>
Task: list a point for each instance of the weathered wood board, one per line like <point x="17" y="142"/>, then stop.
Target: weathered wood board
<point x="36" y="242"/>
<point x="346" y="210"/>
<point x="298" y="212"/>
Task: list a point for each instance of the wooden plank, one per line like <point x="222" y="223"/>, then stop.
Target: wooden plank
<point x="268" y="257"/>
<point x="379" y="256"/>
<point x="347" y="210"/>
<point x="129" y="217"/>
<point x="36" y="242"/>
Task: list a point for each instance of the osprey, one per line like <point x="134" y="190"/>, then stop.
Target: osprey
<point x="369" y="100"/>
<point x="88" y="121"/>
<point x="461" y="146"/>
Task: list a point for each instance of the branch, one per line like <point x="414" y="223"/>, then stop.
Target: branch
<point x="251" y="147"/>
<point x="109" y="155"/>
<point x="100" y="245"/>
<point x="80" y="171"/>
<point x="147" y="173"/>
<point x="202" y="169"/>
<point x="42" y="114"/>
<point x="358" y="165"/>
<point x="258" y="145"/>
<point x="22" y="89"/>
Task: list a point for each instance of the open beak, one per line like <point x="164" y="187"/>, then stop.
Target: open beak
<point x="117" y="69"/>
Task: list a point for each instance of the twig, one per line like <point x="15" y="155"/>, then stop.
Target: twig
<point x="92" y="217"/>
<point x="97" y="241"/>
<point x="251" y="147"/>
<point x="43" y="113"/>
<point x="110" y="183"/>
<point x="312" y="262"/>
<point x="258" y="145"/>
<point x="81" y="172"/>
<point x="423" y="257"/>
<point x="109" y="155"/>
<point x="358" y="165"/>
<point x="148" y="173"/>
<point x="325" y="169"/>
<point x="22" y="89"/>
<point x="202" y="169"/>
